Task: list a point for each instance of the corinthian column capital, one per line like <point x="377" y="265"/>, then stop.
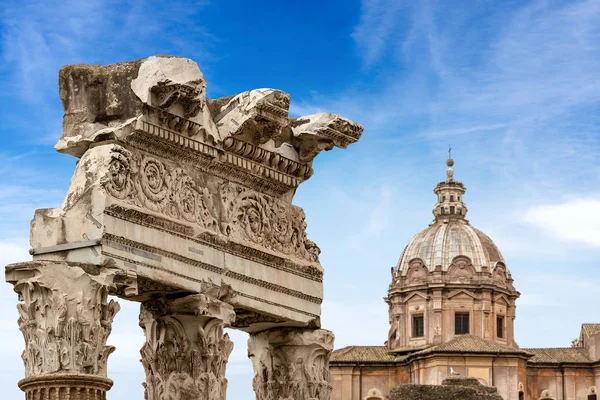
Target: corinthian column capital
<point x="291" y="363"/>
<point x="65" y="318"/>
<point x="186" y="352"/>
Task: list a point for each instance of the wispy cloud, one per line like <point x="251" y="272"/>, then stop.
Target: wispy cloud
<point x="39" y="37"/>
<point x="525" y="80"/>
<point x="377" y="26"/>
<point x="375" y="205"/>
<point x="576" y="220"/>
<point x="448" y="133"/>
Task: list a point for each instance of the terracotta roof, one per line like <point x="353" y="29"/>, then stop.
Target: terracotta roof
<point x="471" y="344"/>
<point x="364" y="354"/>
<point x="559" y="355"/>
<point x="462" y="344"/>
<point x="590" y="329"/>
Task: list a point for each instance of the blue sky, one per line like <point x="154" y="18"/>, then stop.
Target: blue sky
<point x="514" y="86"/>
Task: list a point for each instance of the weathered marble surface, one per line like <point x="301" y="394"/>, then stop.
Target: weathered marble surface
<point x="186" y="352"/>
<point x="64" y="315"/>
<point x="180" y="191"/>
<point x="184" y="204"/>
<point x="291" y="364"/>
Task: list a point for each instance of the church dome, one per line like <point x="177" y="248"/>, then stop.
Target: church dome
<point x="451" y="280"/>
<point x="450" y="235"/>
<point x="443" y="241"/>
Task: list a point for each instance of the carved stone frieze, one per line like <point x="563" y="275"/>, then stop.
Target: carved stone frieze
<point x="168" y="94"/>
<point x="186" y="352"/>
<point x="64" y="316"/>
<point x="226" y="208"/>
<point x="291" y="364"/>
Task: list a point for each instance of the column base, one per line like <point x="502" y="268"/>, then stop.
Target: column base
<point x="65" y="387"/>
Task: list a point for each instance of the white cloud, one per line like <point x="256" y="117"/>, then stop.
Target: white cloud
<point x="575" y="220"/>
<point x="38" y="37"/>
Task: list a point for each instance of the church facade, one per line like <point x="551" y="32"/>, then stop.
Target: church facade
<point x="451" y="312"/>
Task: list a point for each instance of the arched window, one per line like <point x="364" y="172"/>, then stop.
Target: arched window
<point x="451" y="198"/>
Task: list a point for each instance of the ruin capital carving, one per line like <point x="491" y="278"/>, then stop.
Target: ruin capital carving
<point x="291" y="364"/>
<point x="65" y="317"/>
<point x="186" y="352"/>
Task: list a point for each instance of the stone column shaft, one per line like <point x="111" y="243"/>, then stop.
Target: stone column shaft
<point x="186" y="352"/>
<point x="65" y="319"/>
<point x="291" y="364"/>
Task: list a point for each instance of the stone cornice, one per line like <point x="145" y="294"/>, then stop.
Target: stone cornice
<point x="474" y="287"/>
<point x="126" y="244"/>
<point x="146" y="219"/>
<point x="268" y="175"/>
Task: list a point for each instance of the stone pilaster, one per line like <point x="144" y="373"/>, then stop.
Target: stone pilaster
<point x="65" y="318"/>
<point x="437" y="316"/>
<point x="186" y="352"/>
<point x="291" y="364"/>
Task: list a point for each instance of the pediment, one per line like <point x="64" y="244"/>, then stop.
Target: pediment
<point x="416" y="294"/>
<point x="501" y="298"/>
<point x="462" y="293"/>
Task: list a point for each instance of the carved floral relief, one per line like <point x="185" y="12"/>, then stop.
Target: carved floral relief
<point x="228" y="209"/>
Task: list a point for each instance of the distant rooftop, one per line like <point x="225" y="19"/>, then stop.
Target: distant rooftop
<point x="466" y="344"/>
<point x="559" y="355"/>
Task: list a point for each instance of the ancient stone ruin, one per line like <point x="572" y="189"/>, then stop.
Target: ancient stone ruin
<point x="454" y="388"/>
<point x="183" y="204"/>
